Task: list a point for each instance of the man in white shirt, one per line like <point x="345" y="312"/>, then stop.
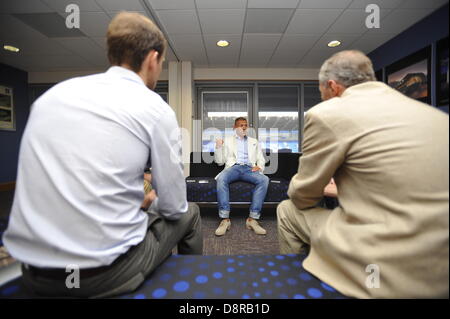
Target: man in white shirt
<point x="79" y="195"/>
<point x="244" y="161"/>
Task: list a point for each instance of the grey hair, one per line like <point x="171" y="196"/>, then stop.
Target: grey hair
<point x="348" y="68"/>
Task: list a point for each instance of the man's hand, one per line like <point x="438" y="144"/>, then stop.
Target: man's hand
<point x="331" y="189"/>
<point x="219" y="143"/>
<point x="148" y="199"/>
<point x="256" y="169"/>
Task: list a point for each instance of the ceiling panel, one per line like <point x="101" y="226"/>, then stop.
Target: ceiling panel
<point x="267" y="20"/>
<point x="257" y="49"/>
<point x="215" y="21"/>
<point x="23" y="6"/>
<point x="324" y="4"/>
<point x="11" y="26"/>
<point x="286" y="4"/>
<point x="190" y="48"/>
<point x="313" y="21"/>
<point x="171" y="4"/>
<point x="84" y="5"/>
<point x="315" y="58"/>
<point x="94" y="24"/>
<point x="385" y="4"/>
<point x="354" y="21"/>
<point x="221" y="57"/>
<point x="292" y="48"/>
<point x="118" y="5"/>
<point x="85" y="48"/>
<point x="370" y="42"/>
<point x="179" y="21"/>
<point x="421" y="4"/>
<point x="345" y="39"/>
<point x="37" y="46"/>
<point x="220" y="4"/>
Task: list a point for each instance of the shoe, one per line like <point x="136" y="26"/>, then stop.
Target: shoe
<point x="253" y="224"/>
<point x="225" y="225"/>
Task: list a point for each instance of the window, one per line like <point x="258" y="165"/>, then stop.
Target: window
<point x="274" y="111"/>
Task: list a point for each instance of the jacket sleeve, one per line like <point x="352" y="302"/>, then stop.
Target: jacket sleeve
<point x="260" y="160"/>
<point x="322" y="155"/>
<point x="167" y="171"/>
<point x="220" y="155"/>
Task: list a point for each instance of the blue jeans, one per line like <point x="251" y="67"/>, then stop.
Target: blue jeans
<point x="241" y="173"/>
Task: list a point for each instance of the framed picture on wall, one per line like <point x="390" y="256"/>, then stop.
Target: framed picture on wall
<point x="442" y="73"/>
<point x="7" y="112"/>
<point x="412" y="75"/>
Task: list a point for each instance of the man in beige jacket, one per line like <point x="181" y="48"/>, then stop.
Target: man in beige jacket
<point x="388" y="155"/>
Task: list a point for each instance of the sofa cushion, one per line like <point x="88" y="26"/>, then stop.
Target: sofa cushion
<point x="204" y="189"/>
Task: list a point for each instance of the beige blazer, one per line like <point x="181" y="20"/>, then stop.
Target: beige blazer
<point x="389" y="158"/>
<point x="227" y="154"/>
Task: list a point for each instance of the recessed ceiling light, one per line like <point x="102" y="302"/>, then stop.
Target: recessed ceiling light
<point x="223" y="43"/>
<point x="334" y="43"/>
<point x="11" y="48"/>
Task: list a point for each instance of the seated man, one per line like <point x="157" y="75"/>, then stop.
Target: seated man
<point x="244" y="161"/>
<point x="78" y="203"/>
<point x="388" y="153"/>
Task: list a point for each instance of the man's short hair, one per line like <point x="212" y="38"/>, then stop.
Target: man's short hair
<point x="348" y="68"/>
<point x="239" y="119"/>
<point x="130" y="37"/>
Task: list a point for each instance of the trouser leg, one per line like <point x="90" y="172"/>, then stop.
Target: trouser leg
<point x="296" y="226"/>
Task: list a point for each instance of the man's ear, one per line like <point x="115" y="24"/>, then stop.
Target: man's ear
<point x="152" y="59"/>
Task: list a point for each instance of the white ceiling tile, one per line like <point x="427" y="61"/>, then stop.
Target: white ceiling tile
<point x="354" y="21"/>
<point x="312" y="21"/>
<point x="119" y="5"/>
<point x="267" y="20"/>
<point x="315" y="58"/>
<point x="229" y="21"/>
<point x="369" y="42"/>
<point x="292" y="48"/>
<point x="36" y="46"/>
<point x="346" y="41"/>
<point x="383" y="4"/>
<point x="101" y="41"/>
<point x="84" y="47"/>
<point x="94" y="24"/>
<point x="84" y="5"/>
<point x="11" y="26"/>
<point x="24" y="6"/>
<point x="257" y="49"/>
<point x="179" y="21"/>
<point x="189" y="47"/>
<point x="221" y="4"/>
<point x="324" y="4"/>
<point x="218" y="56"/>
<point x="171" y="4"/>
<point x="281" y="4"/>
<point x="421" y="4"/>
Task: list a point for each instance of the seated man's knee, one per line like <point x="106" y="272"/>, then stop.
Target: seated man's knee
<point x="283" y="209"/>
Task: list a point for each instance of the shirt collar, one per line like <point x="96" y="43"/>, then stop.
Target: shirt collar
<point x="125" y="74"/>
<point x="237" y="136"/>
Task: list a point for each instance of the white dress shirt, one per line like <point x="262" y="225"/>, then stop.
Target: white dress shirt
<point x="80" y="177"/>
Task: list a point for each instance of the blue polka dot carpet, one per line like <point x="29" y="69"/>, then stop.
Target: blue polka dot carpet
<point x="221" y="277"/>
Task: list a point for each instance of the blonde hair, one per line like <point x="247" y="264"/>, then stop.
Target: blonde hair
<point x="130" y="37"/>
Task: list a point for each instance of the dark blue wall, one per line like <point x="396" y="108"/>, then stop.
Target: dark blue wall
<point x="424" y="33"/>
<point x="10" y="140"/>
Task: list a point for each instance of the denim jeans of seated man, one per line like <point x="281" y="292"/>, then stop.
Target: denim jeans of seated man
<point x="241" y="173"/>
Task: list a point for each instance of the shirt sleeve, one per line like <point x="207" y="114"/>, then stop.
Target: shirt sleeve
<point x="167" y="169"/>
<point x="322" y="155"/>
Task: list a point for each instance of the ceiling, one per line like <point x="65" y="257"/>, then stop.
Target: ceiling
<point x="262" y="33"/>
